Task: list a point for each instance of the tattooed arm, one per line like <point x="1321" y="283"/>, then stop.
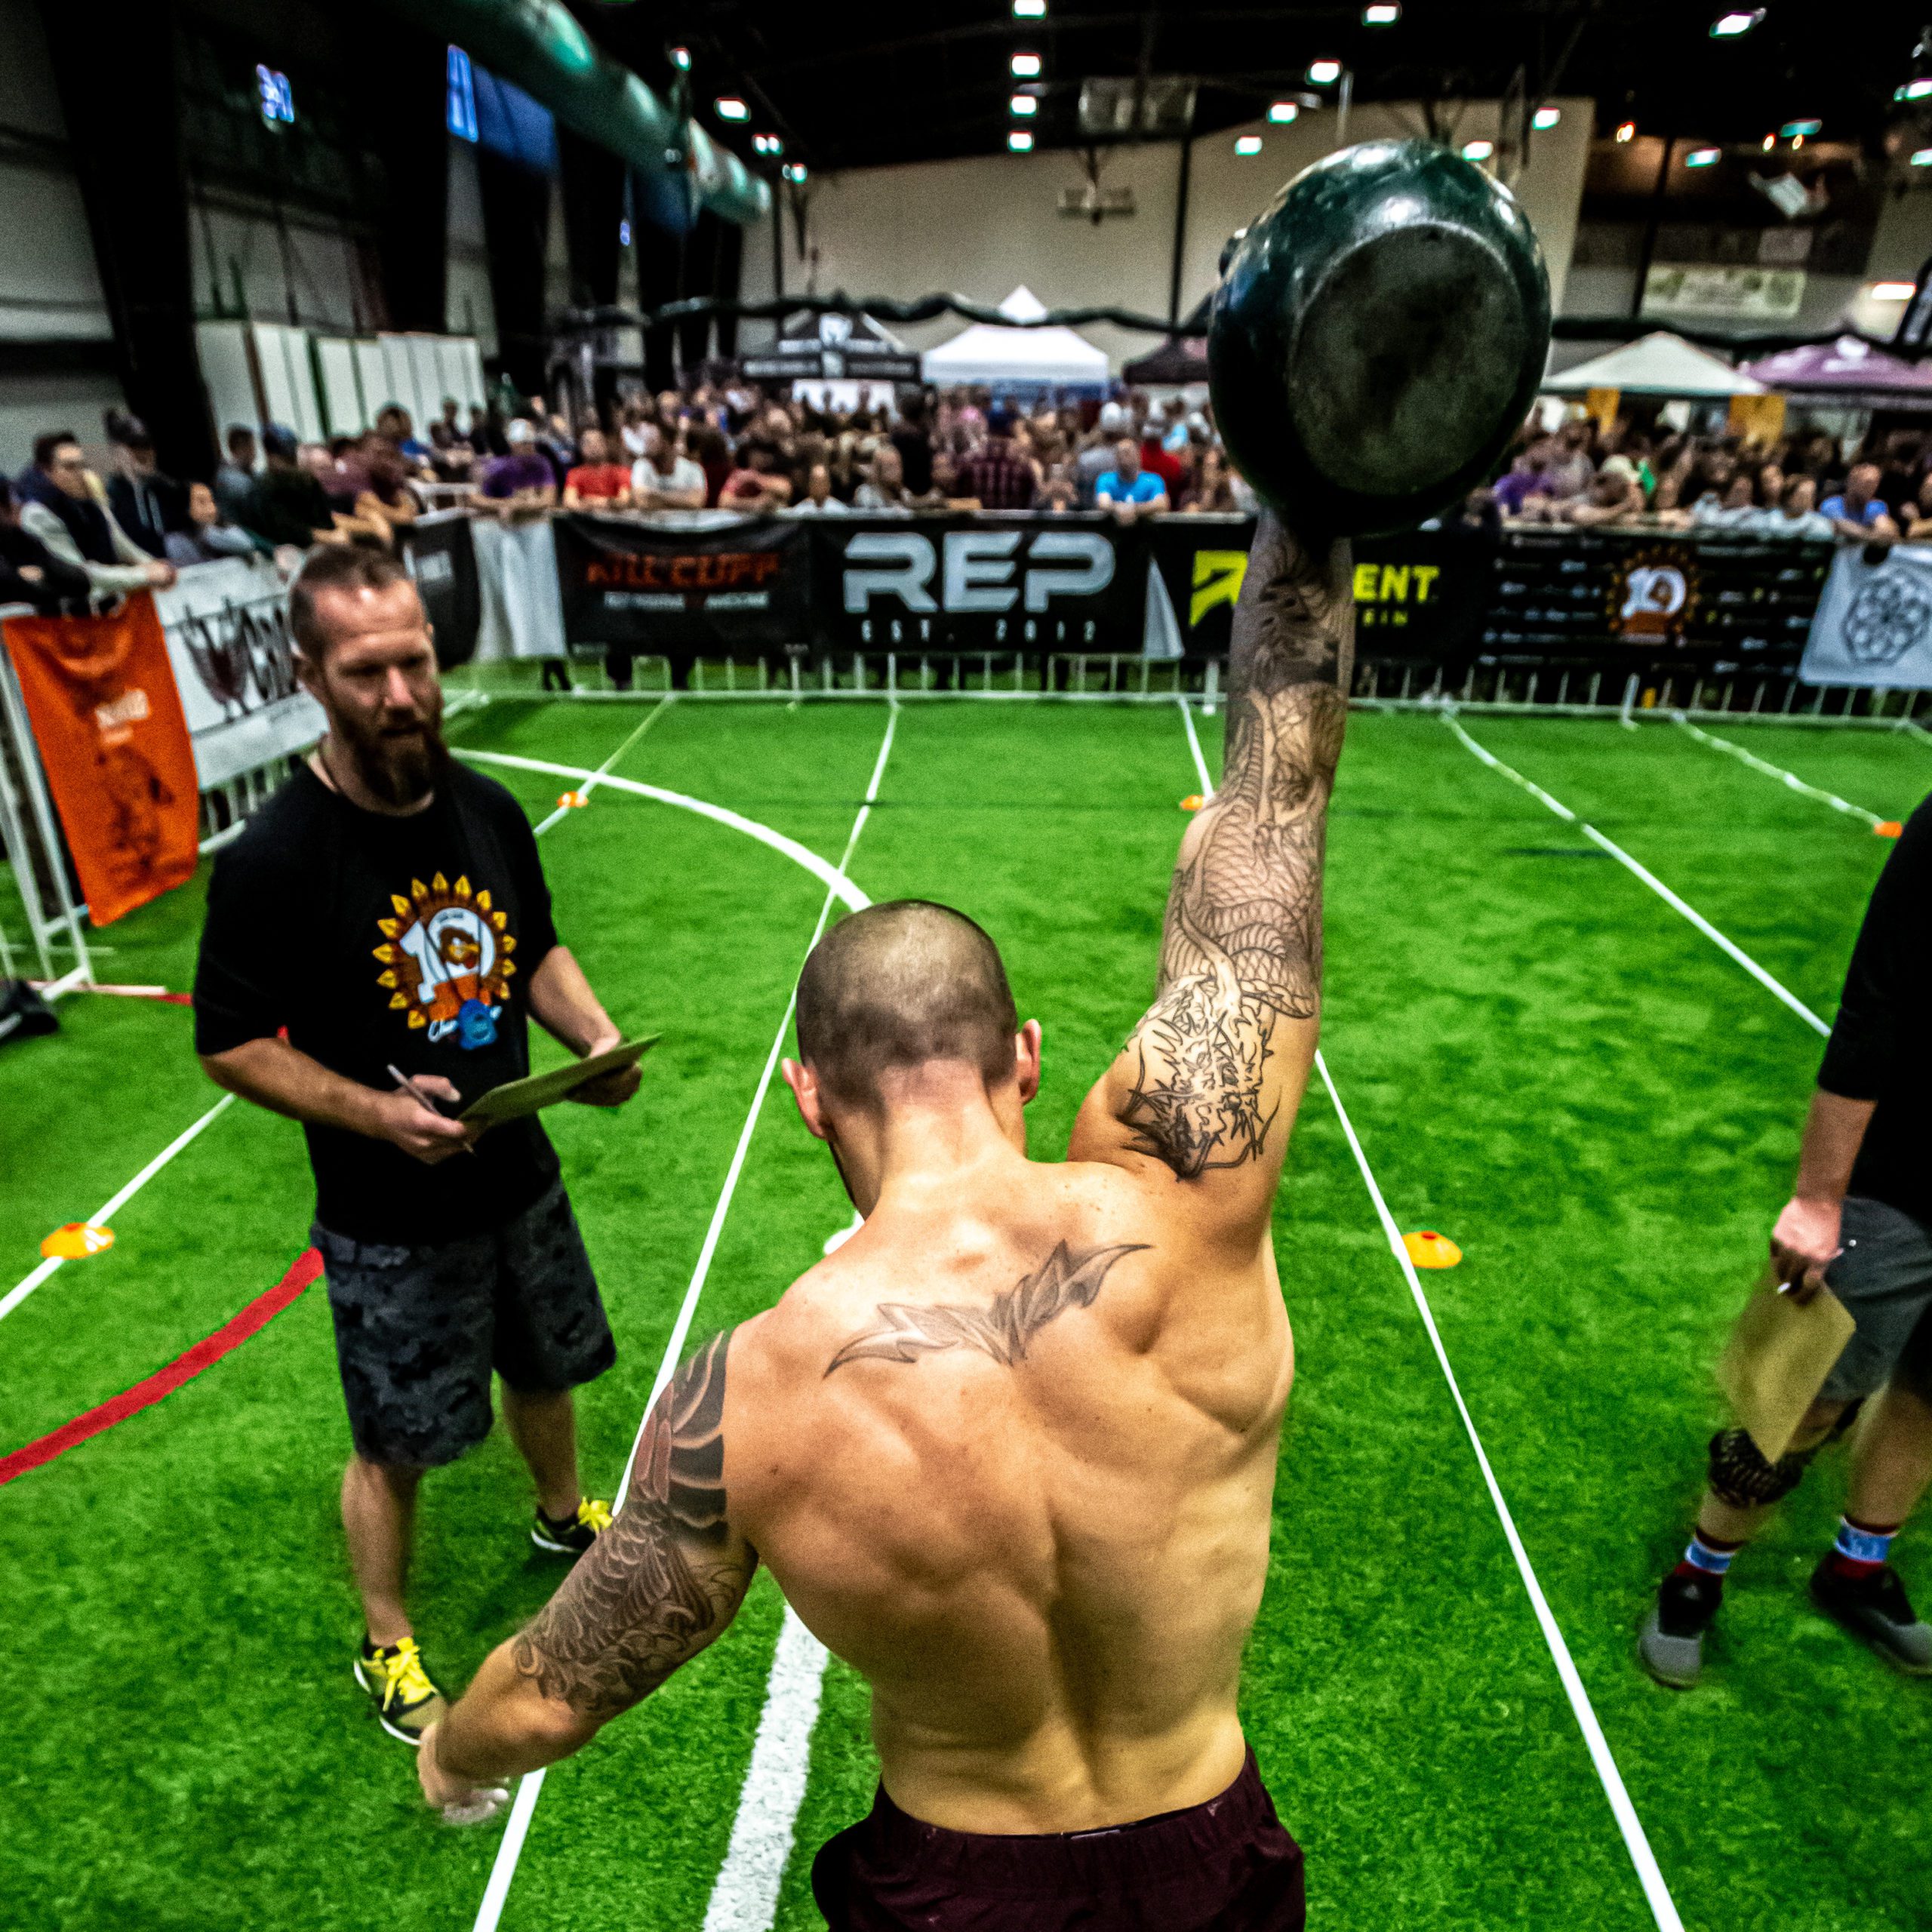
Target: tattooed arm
<point x="1208" y="1082"/>
<point x="657" y="1587"/>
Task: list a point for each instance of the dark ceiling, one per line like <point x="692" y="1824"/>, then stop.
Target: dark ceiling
<point x="849" y="85"/>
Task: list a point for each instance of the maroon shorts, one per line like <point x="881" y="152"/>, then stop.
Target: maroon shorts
<point x="1227" y="1865"/>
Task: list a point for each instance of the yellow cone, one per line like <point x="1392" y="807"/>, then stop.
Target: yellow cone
<point x="1428" y="1249"/>
<point x="570" y="799"/>
<point x="75" y="1241"/>
<point x="1192" y="802"/>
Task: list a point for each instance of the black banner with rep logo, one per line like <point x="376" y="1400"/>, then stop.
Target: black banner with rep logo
<point x="980" y="582"/>
<point x="746" y="584"/>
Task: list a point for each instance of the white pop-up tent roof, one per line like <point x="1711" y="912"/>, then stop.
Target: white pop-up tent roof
<point x="1658" y="364"/>
<point x="985" y="352"/>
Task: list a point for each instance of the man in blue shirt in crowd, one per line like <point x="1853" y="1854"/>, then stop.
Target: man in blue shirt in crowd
<point x="1856" y="510"/>
<point x="1127" y="489"/>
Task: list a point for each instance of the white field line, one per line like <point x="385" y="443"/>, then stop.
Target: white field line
<point x="598" y="776"/>
<point x="1648" y="1875"/>
<point x="1776" y="988"/>
<point x="115" y="1203"/>
<point x="839" y="889"/>
<point x="1194" y="746"/>
<point x="1662" y="1908"/>
<point x="1789" y="779"/>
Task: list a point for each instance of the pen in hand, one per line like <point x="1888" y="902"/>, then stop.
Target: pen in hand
<point x="421" y="1099"/>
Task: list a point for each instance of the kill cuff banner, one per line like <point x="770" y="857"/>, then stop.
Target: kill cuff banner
<point x="652" y="588"/>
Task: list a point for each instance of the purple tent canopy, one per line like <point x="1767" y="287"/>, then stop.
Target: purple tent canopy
<point x="1849" y="370"/>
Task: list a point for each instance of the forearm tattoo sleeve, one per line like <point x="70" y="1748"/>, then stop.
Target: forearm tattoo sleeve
<point x="667" y="1576"/>
<point x="1241" y="950"/>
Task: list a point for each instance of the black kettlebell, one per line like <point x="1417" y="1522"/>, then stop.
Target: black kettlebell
<point x="1378" y="336"/>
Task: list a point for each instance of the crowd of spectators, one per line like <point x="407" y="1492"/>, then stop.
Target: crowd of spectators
<point x="1804" y="486"/>
<point x="66" y="532"/>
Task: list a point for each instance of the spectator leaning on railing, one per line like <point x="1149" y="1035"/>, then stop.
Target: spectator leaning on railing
<point x="59" y="506"/>
<point x="1856" y="511"/>
<point x="288" y="505"/>
<point x="596" y="483"/>
<point x="29" y="572"/>
<point x="1126" y="490"/>
<point x="522" y="485"/>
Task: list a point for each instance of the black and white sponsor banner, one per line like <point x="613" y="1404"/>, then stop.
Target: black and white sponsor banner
<point x="228" y="644"/>
<point x="442" y="557"/>
<point x="1874" y="622"/>
<point x="717" y="584"/>
<point x="980" y="582"/>
<point x="1420" y="594"/>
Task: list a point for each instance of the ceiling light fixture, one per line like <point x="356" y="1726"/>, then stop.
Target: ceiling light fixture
<point x="1921" y="158"/>
<point x="1029" y="9"/>
<point x="1324" y="73"/>
<point x="681" y="59"/>
<point x="1026" y="65"/>
<point x="730" y="108"/>
<point x="1628" y="132"/>
<point x="1021" y="141"/>
<point x="1384" y="14"/>
<point x="1023" y="103"/>
<point x="1545" y="118"/>
<point x="1891" y="291"/>
<point x="1283" y="111"/>
<point x="1728" y="27"/>
<point x="1247" y="144"/>
<point x="1794" y="131"/>
<point x="1913" y="89"/>
<point x="1478" y="150"/>
<point x="1703" y="157"/>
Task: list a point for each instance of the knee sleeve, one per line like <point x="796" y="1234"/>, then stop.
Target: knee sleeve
<point x="1740" y="1476"/>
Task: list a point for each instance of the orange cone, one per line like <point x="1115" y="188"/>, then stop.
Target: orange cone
<point x="1888" y="828"/>
<point x="75" y="1241"/>
<point x="1192" y="802"/>
<point x="1428" y="1249"/>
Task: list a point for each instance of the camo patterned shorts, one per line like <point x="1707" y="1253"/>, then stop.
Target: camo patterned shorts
<point x="419" y="1330"/>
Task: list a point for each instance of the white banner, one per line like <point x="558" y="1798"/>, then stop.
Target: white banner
<point x="516" y="574"/>
<point x="1873" y="625"/>
<point x="226" y="625"/>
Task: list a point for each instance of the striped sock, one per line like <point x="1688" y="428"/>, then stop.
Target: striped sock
<point x="1861" y="1550"/>
<point x="1707" y="1555"/>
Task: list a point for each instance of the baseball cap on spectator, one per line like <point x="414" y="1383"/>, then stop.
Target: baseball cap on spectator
<point x="128" y="430"/>
<point x="999" y="420"/>
<point x="279" y="440"/>
<point x="519" y="431"/>
<point x="1113" y="418"/>
<point x="1619" y="466"/>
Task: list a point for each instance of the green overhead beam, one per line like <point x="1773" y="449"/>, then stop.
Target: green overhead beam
<point x="538" y="45"/>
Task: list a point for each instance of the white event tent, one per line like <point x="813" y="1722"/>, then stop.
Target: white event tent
<point x="1657" y="365"/>
<point x="1007" y="358"/>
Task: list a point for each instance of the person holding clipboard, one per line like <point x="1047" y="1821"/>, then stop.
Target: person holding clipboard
<point x="377" y="940"/>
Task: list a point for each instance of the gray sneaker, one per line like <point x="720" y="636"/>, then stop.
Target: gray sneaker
<point x="1877" y="1609"/>
<point x="1671" y="1641"/>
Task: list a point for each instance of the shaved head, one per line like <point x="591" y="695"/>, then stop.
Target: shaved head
<point x="899" y="985"/>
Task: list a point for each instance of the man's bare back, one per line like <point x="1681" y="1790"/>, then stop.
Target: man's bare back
<point x="1009" y="1451"/>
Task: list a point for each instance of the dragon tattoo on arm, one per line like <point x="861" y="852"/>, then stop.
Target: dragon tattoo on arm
<point x="666" y="1578"/>
<point x="1242" y="949"/>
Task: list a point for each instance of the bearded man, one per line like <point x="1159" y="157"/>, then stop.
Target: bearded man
<point x="377" y="938"/>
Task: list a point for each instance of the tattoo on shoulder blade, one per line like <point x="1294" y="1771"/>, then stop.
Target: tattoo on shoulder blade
<point x="1242" y="947"/>
<point x="663" y="1579"/>
<point x="1068" y="1278"/>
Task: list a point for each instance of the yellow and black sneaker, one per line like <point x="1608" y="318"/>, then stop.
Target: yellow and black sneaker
<point x="570" y="1536"/>
<point x="406" y="1703"/>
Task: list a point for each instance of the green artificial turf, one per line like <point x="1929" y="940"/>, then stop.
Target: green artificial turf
<point x="1541" y="1058"/>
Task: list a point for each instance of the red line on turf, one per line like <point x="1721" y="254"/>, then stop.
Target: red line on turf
<point x="164" y="1382"/>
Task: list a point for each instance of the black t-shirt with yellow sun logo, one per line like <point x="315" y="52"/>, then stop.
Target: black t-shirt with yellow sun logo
<point x="379" y="941"/>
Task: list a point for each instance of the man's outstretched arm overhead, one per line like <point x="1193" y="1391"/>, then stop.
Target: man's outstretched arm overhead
<point x="657" y="1587"/>
<point x="1207" y="1084"/>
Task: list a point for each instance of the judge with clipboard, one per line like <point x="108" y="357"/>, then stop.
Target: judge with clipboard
<point x="377" y="941"/>
<point x="1844" y="1317"/>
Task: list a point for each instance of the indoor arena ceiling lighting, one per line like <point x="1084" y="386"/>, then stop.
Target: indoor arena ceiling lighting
<point x="1545" y="118"/>
<point x="1628" y="132"/>
<point x="1913" y="89"/>
<point x="1029" y="9"/>
<point x="1026" y="66"/>
<point x="1247" y="144"/>
<point x="1023" y="104"/>
<point x="1478" y="150"/>
<point x="794" y="171"/>
<point x="1021" y="141"/>
<point x="1922" y="157"/>
<point x="1800" y="130"/>
<point x="1728" y="27"/>
<point x="1703" y="157"/>
<point x="1322" y="73"/>
<point x="1282" y="112"/>
<point x="730" y="108"/>
<point x="681" y="59"/>
<point x="1891" y="291"/>
<point x="1385" y="13"/>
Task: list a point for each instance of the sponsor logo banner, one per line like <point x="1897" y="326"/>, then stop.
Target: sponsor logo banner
<point x="109" y="723"/>
<point x="1874" y="623"/>
<point x="981" y="583"/>
<point x="746" y="584"/>
<point x="441" y="557"/>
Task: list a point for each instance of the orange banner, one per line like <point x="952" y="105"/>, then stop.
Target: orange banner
<point x="107" y="718"/>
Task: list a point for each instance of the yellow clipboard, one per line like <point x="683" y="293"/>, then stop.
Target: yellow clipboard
<point x="515" y="1098"/>
<point x="1777" y="1361"/>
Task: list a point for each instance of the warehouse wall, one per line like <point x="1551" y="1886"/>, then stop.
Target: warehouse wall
<point x="980" y="226"/>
